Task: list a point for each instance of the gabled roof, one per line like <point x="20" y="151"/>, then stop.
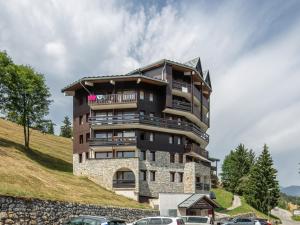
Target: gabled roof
<point x="195" y="63"/>
<point x="193" y="199"/>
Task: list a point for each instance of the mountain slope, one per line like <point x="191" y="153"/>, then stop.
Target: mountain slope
<point x="291" y="190"/>
<point x="46" y="171"/>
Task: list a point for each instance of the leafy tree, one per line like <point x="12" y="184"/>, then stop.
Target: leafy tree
<point x="23" y="93"/>
<point x="50" y="127"/>
<point x="235" y="169"/>
<point x="263" y="189"/>
<point x="66" y="128"/>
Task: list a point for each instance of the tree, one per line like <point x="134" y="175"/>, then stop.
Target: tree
<point x="235" y="169"/>
<point x="23" y="93"/>
<point x="66" y="128"/>
<point x="45" y="126"/>
<point x="263" y="189"/>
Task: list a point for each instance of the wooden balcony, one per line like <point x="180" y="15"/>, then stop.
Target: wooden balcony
<point x="113" y="141"/>
<point x="113" y="101"/>
<point x="196" y="149"/>
<point x="148" y="122"/>
<point x="185" y="106"/>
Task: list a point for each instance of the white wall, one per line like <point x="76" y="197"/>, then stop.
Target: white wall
<point x="171" y="201"/>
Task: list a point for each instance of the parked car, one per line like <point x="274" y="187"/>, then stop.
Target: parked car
<point x="94" y="220"/>
<point x="240" y="221"/>
<point x="195" y="220"/>
<point x="159" y="220"/>
<point x="260" y="221"/>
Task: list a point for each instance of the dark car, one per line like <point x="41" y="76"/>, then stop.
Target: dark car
<point x="240" y="221"/>
<point x="94" y="220"/>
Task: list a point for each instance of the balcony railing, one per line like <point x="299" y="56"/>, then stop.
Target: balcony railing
<point x="181" y="86"/>
<point x="112" y="99"/>
<point x="113" y="141"/>
<point x="197" y="149"/>
<point x="123" y="183"/>
<point x="186" y="106"/>
<point x="149" y="120"/>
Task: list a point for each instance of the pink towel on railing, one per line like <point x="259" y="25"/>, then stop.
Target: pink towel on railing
<point x="92" y="97"/>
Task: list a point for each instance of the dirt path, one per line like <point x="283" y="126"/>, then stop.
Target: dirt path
<point x="236" y="202"/>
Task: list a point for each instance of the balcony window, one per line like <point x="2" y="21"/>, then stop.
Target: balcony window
<point x="152" y="156"/>
<point x="151" y="97"/>
<point x="142" y="95"/>
<point x="151" y="137"/>
<point x="143" y="175"/>
<point x="151" y="116"/>
<point x="103" y="155"/>
<point x="179" y="121"/>
<point x="172" y="176"/>
<point x="179" y="140"/>
<point x="103" y="135"/>
<point x="126" y="154"/>
<point x="152" y="175"/>
<point x="80" y="120"/>
<point x="80" y="139"/>
<point x="171" y="139"/>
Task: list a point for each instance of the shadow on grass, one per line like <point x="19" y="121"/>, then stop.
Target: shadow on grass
<point x="43" y="159"/>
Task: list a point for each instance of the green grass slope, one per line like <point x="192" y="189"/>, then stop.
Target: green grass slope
<point x="45" y="172"/>
<point x="224" y="199"/>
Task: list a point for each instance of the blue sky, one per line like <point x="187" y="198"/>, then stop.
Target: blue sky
<point x="252" y="49"/>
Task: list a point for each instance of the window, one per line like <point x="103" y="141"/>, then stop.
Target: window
<point x="143" y="155"/>
<point x="142" y="222"/>
<point x="142" y="136"/>
<point x="151" y="137"/>
<point x="172" y="176"/>
<point x="151" y="97"/>
<point x="126" y="154"/>
<point x="180" y="158"/>
<point x="167" y="221"/>
<point x="180" y="177"/>
<point x="143" y="174"/>
<point x="80" y="158"/>
<point x="197" y="179"/>
<point x="179" y="140"/>
<point x="86" y="155"/>
<point x="103" y="155"/>
<point x="81" y="139"/>
<point x="75" y="221"/>
<point x="87" y="137"/>
<point x="155" y="221"/>
<point x="142" y="95"/>
<point x="142" y="114"/>
<point x="179" y="121"/>
<point x="152" y="175"/>
<point x="89" y="222"/>
<point x="152" y="156"/>
<point x="80" y="120"/>
<point x="171" y="139"/>
<point x="172" y="158"/>
<point x="87" y="117"/>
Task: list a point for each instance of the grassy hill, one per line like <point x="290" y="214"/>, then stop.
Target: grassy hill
<point x="224" y="198"/>
<point x="46" y="171"/>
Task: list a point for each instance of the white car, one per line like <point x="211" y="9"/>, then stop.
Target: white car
<point x="159" y="220"/>
<point x="197" y="220"/>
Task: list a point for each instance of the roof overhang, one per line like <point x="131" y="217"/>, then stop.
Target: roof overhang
<point x="112" y="79"/>
<point x="191" y="202"/>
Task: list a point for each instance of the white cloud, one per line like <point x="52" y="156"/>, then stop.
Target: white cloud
<point x="251" y="49"/>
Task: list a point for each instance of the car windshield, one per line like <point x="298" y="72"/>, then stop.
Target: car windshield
<point x="196" y="220"/>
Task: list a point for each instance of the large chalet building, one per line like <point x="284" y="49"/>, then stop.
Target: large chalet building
<point x="144" y="133"/>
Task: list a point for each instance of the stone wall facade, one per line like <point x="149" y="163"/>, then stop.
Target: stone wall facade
<point x="102" y="171"/>
<point x="15" y="210"/>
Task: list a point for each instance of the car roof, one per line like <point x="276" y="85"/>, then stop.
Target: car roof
<point x="99" y="218"/>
